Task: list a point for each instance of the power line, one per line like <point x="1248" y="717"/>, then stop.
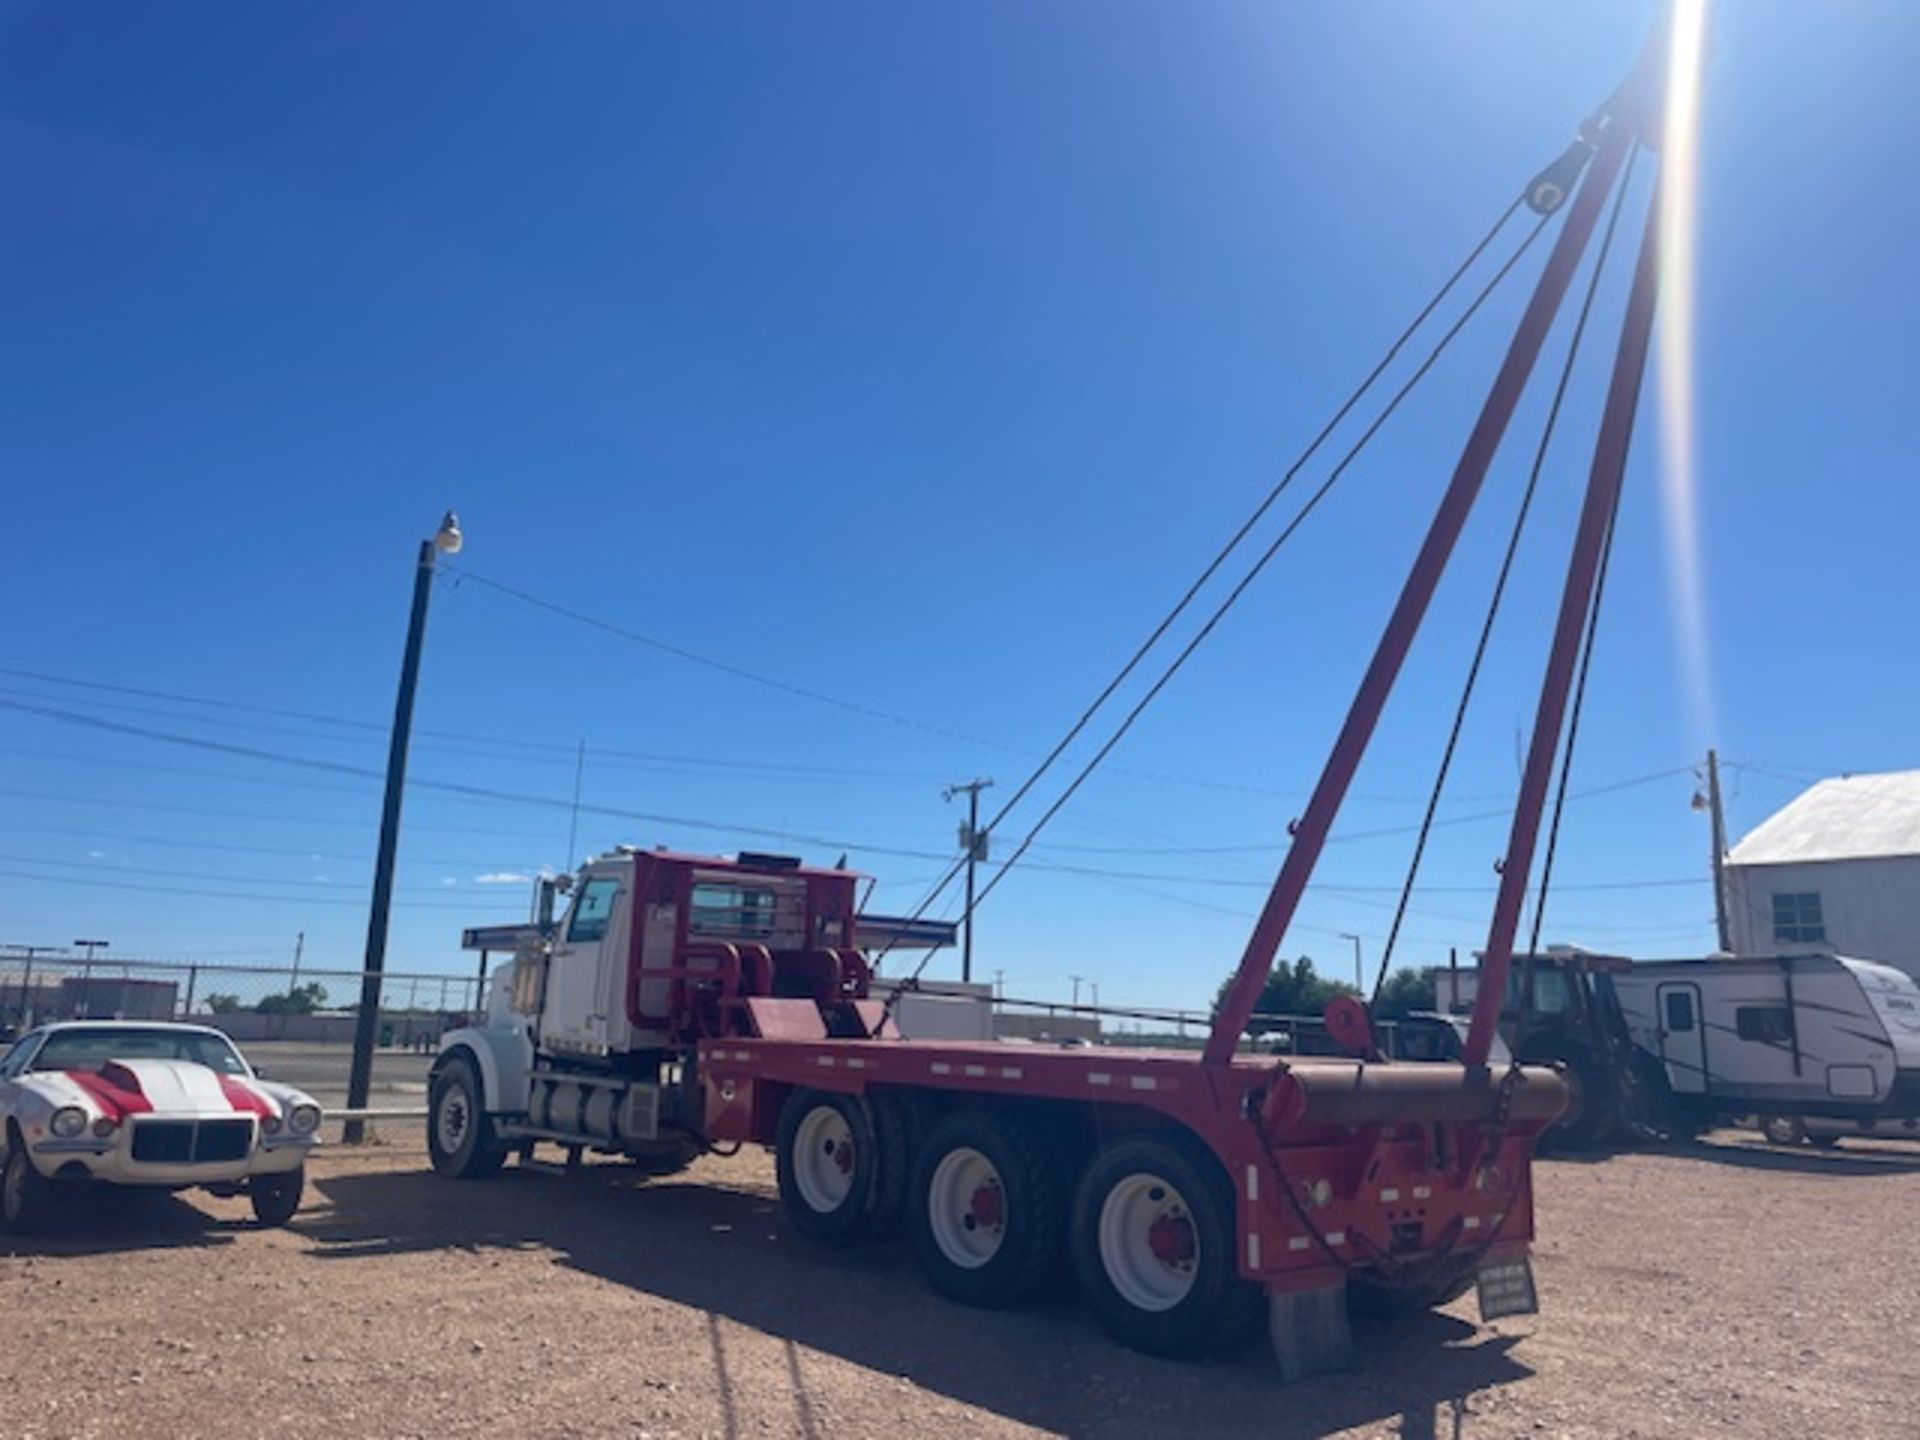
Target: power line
<point x="102" y="884"/>
<point x="724" y="667"/>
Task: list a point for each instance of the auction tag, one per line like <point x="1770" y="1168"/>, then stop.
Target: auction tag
<point x="1507" y="1289"/>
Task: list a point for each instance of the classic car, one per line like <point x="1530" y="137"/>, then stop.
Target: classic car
<point x="146" y="1104"/>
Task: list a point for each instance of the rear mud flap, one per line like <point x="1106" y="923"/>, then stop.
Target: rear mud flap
<point x="1507" y="1289"/>
<point x="1310" y="1331"/>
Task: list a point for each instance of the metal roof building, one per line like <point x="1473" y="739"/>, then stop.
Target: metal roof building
<point x="1837" y="870"/>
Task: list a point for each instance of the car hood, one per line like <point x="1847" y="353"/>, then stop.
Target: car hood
<point x="164" y="1087"/>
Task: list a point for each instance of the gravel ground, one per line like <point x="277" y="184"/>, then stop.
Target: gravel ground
<point x="1724" y="1289"/>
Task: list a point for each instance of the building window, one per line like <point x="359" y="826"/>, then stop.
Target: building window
<point x="1797" y="919"/>
<point x="1769" y="1024"/>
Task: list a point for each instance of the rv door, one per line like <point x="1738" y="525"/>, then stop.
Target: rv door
<point x="1683" y="1039"/>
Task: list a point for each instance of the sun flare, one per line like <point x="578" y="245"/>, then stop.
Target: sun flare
<point x="1679" y="199"/>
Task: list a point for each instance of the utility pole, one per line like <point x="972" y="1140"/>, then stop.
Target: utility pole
<point x="92" y="947"/>
<point x="975" y="845"/>
<point x="1094" y="986"/>
<point x="999" y="984"/>
<point x="293" y="981"/>
<point x="1719" y="822"/>
<point x="573" y="823"/>
<point x="1359" y="980"/>
<point x="366" y="1022"/>
<point x="1076" y="979"/>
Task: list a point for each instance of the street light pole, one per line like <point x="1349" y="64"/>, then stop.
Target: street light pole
<point x="1359" y="981"/>
<point x="365" y="1030"/>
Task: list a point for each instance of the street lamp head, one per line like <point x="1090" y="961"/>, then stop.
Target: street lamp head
<point x="449" y="539"/>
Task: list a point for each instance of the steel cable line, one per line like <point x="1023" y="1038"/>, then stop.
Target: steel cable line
<point x="1573" y="731"/>
<point x="1240" y="588"/>
<point x="1505" y="573"/>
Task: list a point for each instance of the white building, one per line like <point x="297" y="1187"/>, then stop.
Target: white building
<point x="1837" y="871"/>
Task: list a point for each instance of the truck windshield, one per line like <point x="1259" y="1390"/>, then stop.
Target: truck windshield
<point x="90" y="1048"/>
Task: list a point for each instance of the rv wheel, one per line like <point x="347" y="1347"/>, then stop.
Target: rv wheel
<point x="1783" y="1129"/>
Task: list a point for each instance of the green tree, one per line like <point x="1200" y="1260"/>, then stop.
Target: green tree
<point x="223" y="1004"/>
<point x="301" y="1000"/>
<point x="1407" y="991"/>
<point x="1294" y="988"/>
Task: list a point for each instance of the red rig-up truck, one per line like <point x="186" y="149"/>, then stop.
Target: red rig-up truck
<point x="684" y="1003"/>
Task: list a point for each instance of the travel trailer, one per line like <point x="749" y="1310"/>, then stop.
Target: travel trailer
<point x="1823" y="1042"/>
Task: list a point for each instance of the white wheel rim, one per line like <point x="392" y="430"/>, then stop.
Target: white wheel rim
<point x="824" y="1159"/>
<point x="967" y="1208"/>
<point x="453" y="1118"/>
<point x="1149" y="1245"/>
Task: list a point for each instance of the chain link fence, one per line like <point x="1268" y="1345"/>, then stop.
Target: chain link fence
<point x="294" y="1022"/>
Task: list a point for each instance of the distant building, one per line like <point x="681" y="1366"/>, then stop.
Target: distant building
<point x="110" y="997"/>
<point x="1837" y="871"/>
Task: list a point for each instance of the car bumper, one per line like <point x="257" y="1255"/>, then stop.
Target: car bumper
<point x="109" y="1162"/>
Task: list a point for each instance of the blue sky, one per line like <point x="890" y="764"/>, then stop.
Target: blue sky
<point x="918" y="356"/>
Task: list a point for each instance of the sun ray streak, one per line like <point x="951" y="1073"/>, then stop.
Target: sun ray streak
<point x="1679" y="219"/>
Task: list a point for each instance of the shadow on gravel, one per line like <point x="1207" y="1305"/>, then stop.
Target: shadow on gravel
<point x="1856" y="1164"/>
<point x="728" y="1253"/>
<point x="97" y="1220"/>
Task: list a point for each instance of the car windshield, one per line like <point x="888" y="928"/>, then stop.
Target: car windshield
<point x="88" y="1048"/>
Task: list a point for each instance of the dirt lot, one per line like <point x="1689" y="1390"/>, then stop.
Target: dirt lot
<point x="1727" y="1289"/>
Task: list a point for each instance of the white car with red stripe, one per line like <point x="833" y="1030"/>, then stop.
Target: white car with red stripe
<point x="154" y="1105"/>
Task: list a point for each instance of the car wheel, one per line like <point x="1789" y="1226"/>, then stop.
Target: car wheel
<point x="460" y="1138"/>
<point x="24" y="1201"/>
<point x="1154" y="1247"/>
<point x="988" y="1210"/>
<point x="276" y="1197"/>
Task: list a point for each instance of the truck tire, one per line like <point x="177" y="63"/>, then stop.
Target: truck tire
<point x="276" y="1197"/>
<point x="987" y="1210"/>
<point x="26" y="1200"/>
<point x="1587" y="1119"/>
<point x="460" y="1138"/>
<point x="1154" y="1246"/>
<point x="899" y="1117"/>
<point x="829" y="1163"/>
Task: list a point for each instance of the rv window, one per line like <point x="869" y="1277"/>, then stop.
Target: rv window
<point x="590" y="911"/>
<point x="1679" y="1011"/>
<point x="1769" y="1024"/>
<point x="1797" y="919"/>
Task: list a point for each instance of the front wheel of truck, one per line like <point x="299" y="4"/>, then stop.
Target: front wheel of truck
<point x="460" y="1135"/>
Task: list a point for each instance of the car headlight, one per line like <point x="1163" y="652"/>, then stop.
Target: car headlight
<point x="269" y="1124"/>
<point x="303" y="1119"/>
<point x="68" y="1121"/>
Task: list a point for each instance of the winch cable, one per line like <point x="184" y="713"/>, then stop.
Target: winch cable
<point x="1253" y="573"/>
<point x="1500" y="582"/>
<point x="1247" y="526"/>
<point x="1573" y="733"/>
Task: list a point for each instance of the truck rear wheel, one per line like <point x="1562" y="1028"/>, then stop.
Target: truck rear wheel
<point x="460" y="1138"/>
<point x="829" y="1161"/>
<point x="987" y="1210"/>
<point x="1153" y="1246"/>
